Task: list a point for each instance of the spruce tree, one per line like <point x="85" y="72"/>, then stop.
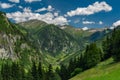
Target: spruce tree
<point x="40" y="72"/>
<point x="92" y="56"/>
<point x="6" y="72"/>
<point x="34" y="71"/>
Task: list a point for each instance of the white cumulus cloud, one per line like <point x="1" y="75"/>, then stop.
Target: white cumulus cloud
<point x="15" y="1"/>
<point x="27" y="14"/>
<point x="6" y="5"/>
<point x="56" y="14"/>
<point x="117" y="23"/>
<point x="41" y="9"/>
<point x="30" y="1"/>
<point x="88" y="22"/>
<point x="20" y="7"/>
<point x="85" y="28"/>
<point x="100" y="22"/>
<point x="49" y="8"/>
<point x="60" y="20"/>
<point x="91" y="9"/>
<point x="27" y="9"/>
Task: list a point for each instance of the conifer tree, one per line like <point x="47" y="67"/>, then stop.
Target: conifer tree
<point x="34" y="71"/>
<point x="40" y="72"/>
<point x="92" y="56"/>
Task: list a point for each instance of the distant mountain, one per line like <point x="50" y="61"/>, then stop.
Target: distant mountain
<point x="50" y="38"/>
<point x="98" y="34"/>
<point x="79" y="34"/>
<point x="33" y="24"/>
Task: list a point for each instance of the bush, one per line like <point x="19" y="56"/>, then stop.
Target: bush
<point x="76" y="71"/>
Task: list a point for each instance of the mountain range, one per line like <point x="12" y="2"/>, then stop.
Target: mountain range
<point x="37" y="40"/>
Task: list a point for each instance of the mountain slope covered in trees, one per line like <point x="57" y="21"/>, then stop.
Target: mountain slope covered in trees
<point x="35" y="50"/>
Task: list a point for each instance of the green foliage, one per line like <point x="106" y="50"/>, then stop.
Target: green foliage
<point x="11" y="72"/>
<point x="54" y="44"/>
<point x="40" y="71"/>
<point x="111" y="45"/>
<point x="6" y="72"/>
<point x="34" y="71"/>
<point x="115" y="43"/>
<point x="92" y="56"/>
<point x="76" y="71"/>
<point x="106" y="70"/>
<point x="16" y="71"/>
<point x="64" y="74"/>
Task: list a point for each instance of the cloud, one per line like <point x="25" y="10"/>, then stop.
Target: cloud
<point x="27" y="9"/>
<point x="56" y="14"/>
<point x="117" y="23"/>
<point x="85" y="28"/>
<point x="112" y="27"/>
<point x="20" y="7"/>
<point x="88" y="22"/>
<point x="60" y="20"/>
<point x="27" y="14"/>
<point x="41" y="9"/>
<point x="6" y="5"/>
<point x="15" y="1"/>
<point x="77" y="21"/>
<point x="91" y="9"/>
<point x="49" y="8"/>
<point x="30" y="1"/>
<point x="100" y="22"/>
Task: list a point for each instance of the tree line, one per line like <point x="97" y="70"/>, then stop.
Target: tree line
<point x="15" y="71"/>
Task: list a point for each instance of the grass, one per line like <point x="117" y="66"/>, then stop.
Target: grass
<point x="103" y="71"/>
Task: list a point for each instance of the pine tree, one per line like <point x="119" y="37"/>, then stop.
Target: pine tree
<point x="6" y="72"/>
<point x="115" y="43"/>
<point x="92" y="56"/>
<point x="64" y="72"/>
<point x="107" y="48"/>
<point x="34" y="71"/>
<point x="111" y="45"/>
<point x="40" y="72"/>
<point x="50" y="73"/>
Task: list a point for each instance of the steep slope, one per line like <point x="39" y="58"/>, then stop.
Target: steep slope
<point x="50" y="38"/>
<point x="55" y="44"/>
<point x="54" y="40"/>
<point x="14" y="44"/>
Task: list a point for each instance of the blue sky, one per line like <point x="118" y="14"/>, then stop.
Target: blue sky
<point x="78" y="13"/>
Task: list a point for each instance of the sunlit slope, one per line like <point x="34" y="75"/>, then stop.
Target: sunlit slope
<point x="104" y="71"/>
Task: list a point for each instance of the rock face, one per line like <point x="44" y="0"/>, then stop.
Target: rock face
<point x="7" y="39"/>
<point x="13" y="42"/>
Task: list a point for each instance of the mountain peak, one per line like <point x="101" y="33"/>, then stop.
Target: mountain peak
<point x="32" y="24"/>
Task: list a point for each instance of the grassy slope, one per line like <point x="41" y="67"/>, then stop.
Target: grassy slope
<point x="103" y="71"/>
